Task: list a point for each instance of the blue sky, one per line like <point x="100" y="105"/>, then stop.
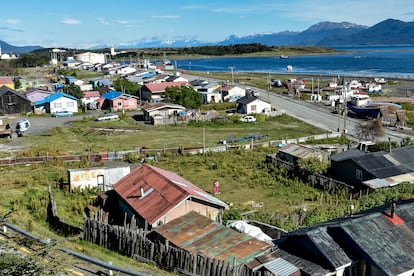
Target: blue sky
<point x="87" y="23"/>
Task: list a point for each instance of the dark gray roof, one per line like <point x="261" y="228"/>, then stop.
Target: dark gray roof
<point x="383" y="163"/>
<point x="304" y="265"/>
<point x="247" y="99"/>
<point x="379" y="166"/>
<point x="348" y="154"/>
<point x="4" y="89"/>
<point x="405" y="156"/>
<point x="371" y="235"/>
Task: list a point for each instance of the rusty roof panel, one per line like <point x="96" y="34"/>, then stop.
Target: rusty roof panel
<point x="297" y="150"/>
<point x="200" y="235"/>
<point x="152" y="192"/>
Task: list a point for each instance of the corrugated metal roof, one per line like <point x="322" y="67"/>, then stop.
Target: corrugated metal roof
<point x="169" y="190"/>
<point x="200" y="235"/>
<point x="280" y="267"/>
<point x="160" y="87"/>
<point x="389" y="246"/>
<point x="370" y="234"/>
<point x="298" y="150"/>
<point x="55" y="96"/>
<point x="378" y="183"/>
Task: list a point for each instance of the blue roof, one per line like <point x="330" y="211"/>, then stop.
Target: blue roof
<point x="111" y="95"/>
<point x="53" y="97"/>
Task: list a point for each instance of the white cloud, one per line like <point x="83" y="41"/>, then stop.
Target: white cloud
<point x="166" y="16"/>
<point x="12" y="21"/>
<point x="71" y="21"/>
<point x="103" y="21"/>
<point x="123" y="22"/>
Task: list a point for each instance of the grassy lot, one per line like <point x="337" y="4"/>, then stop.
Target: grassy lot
<point x="84" y="135"/>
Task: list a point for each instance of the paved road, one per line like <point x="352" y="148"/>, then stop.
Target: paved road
<point x="317" y="115"/>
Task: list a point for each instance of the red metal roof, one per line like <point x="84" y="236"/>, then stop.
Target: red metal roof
<point x="163" y="190"/>
<point x="6" y="80"/>
<point x="91" y="94"/>
<point x="160" y="87"/>
<point x="200" y="235"/>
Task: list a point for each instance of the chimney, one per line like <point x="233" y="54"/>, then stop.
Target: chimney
<point x="393" y="207"/>
<point x="142" y="191"/>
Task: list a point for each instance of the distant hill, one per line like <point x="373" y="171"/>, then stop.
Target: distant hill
<point x="7" y="48"/>
<point x="328" y="34"/>
<point x="387" y="32"/>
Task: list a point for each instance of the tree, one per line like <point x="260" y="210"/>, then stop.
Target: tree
<point x="370" y="130"/>
<point x="313" y="165"/>
<point x="129" y="87"/>
<point x="73" y="90"/>
<point x="185" y="96"/>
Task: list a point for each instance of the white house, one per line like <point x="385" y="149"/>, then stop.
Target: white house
<point x="101" y="177"/>
<point x="90" y="57"/>
<point x="230" y="92"/>
<point x="252" y="105"/>
<point x="57" y="102"/>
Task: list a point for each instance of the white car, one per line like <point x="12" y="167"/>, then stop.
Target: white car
<point x="248" y="119"/>
<point x="108" y="117"/>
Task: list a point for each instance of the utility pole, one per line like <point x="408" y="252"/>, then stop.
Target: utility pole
<point x="346" y="108"/>
<point x="232" y="75"/>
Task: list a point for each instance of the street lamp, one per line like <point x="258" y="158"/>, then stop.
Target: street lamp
<point x="232" y="75"/>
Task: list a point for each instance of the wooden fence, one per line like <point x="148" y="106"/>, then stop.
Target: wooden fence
<point x="132" y="242"/>
<point x="314" y="179"/>
<point x="120" y="155"/>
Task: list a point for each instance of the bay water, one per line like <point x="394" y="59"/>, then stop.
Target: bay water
<point x="369" y="61"/>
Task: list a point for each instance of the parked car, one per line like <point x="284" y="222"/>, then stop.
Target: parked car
<point x="21" y="126"/>
<point x="108" y="117"/>
<point x="62" y="113"/>
<point x="248" y="119"/>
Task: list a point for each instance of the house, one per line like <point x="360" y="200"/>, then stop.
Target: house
<point x="7" y="81"/>
<point x="55" y="103"/>
<point x="356" y="167"/>
<point x="198" y="234"/>
<point x="176" y="78"/>
<point x="379" y="241"/>
<point x="211" y="92"/>
<point x="156" y="196"/>
<point x="153" y="92"/>
<point x="35" y="95"/>
<point x="12" y="101"/>
<point x="164" y="110"/>
<point x="230" y="92"/>
<point x="292" y="153"/>
<point x="252" y="105"/>
<point x="101" y="177"/>
<point x="89" y="57"/>
<point x="117" y="101"/>
<point x="100" y="82"/>
<point x="90" y="97"/>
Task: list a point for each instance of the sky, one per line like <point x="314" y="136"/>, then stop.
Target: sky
<point x="90" y="23"/>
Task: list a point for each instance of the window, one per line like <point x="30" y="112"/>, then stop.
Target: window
<point x="70" y="104"/>
<point x="358" y="174"/>
<point x="253" y="108"/>
<point x="12" y="99"/>
<point x="57" y="105"/>
<point x="119" y="103"/>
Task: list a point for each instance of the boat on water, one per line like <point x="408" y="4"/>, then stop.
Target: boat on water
<point x="361" y="105"/>
<point x="283" y="56"/>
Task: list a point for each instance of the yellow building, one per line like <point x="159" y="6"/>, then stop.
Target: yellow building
<point x="7" y="81"/>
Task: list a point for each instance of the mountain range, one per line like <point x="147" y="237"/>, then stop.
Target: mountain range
<point x="328" y="34"/>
